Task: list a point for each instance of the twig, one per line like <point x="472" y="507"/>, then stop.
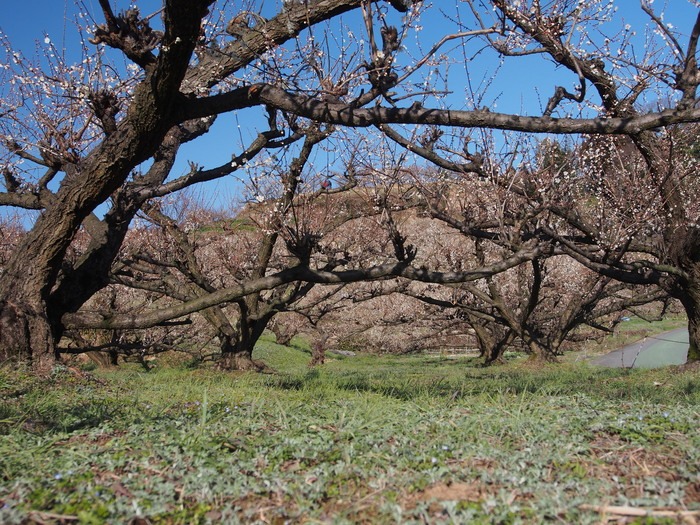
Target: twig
<point x="50" y="517"/>
<point x="637" y="511"/>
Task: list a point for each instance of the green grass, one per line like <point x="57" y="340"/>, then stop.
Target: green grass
<point x="409" y="439"/>
<point x="227" y="225"/>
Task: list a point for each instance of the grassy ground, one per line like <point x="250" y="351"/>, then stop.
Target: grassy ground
<point x="362" y="439"/>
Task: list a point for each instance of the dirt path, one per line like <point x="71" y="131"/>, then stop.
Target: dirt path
<point x="669" y="348"/>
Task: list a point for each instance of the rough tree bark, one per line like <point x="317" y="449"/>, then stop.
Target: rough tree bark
<point x="687" y="288"/>
<point x="31" y="328"/>
<point x="237" y="353"/>
<point x="283" y="333"/>
<point x="318" y="349"/>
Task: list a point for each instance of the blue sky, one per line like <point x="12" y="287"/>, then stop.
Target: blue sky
<point x="27" y="21"/>
<point x="523" y="86"/>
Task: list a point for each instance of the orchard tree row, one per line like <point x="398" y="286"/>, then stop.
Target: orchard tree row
<point x="469" y="214"/>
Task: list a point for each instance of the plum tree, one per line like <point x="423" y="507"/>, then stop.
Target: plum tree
<point x="93" y="133"/>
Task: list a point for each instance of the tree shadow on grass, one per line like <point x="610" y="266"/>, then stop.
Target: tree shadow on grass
<point x="442" y="383"/>
<point x="67" y="419"/>
<point x="65" y="402"/>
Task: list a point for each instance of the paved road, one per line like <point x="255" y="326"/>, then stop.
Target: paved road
<point x="669" y="348"/>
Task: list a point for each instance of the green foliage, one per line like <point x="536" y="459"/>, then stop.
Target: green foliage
<point x="227" y="226"/>
<point x="373" y="439"/>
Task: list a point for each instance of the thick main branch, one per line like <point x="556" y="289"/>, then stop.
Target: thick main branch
<point x="348" y="115"/>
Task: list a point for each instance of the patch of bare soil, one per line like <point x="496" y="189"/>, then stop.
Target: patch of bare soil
<point x="624" y="459"/>
<point x="691" y="368"/>
<point x="636" y="466"/>
<point x="471" y="492"/>
<point x="692" y="492"/>
<point x="99" y="440"/>
<point x="451" y="492"/>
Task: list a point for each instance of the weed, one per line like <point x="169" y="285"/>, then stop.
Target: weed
<point x="369" y="439"/>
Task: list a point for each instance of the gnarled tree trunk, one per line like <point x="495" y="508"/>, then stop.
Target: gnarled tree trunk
<point x="29" y="329"/>
<point x="318" y="350"/>
<point x="694" y="332"/>
<point x="284" y="333"/>
<point x="685" y="252"/>
<point x="26" y="334"/>
<point x="690" y="299"/>
<point x="30" y="324"/>
<point x="538" y="352"/>
<point x="237" y="351"/>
